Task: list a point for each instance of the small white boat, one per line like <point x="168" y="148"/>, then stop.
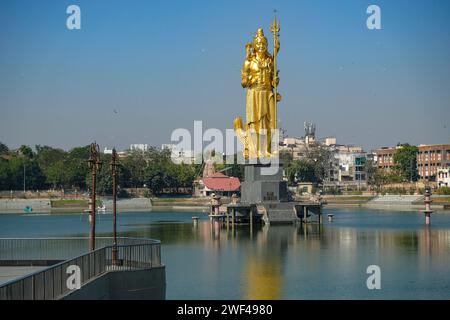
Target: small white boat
<point x="101" y="209"/>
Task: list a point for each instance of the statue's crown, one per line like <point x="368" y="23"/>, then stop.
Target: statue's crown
<point x="260" y="35"/>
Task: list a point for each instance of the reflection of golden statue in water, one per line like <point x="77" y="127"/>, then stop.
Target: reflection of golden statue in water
<point x="263" y="267"/>
<point x="260" y="77"/>
<point x="264" y="279"/>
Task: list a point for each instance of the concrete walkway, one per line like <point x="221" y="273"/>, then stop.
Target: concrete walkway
<point x="10" y="273"/>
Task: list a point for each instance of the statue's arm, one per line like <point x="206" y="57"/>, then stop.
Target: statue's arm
<point x="246" y="75"/>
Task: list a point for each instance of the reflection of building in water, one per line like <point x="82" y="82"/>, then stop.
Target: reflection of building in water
<point x="433" y="244"/>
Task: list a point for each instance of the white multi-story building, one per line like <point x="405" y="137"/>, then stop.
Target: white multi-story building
<point x="351" y="162"/>
<point x="139" y="147"/>
<point x="443" y="177"/>
<point x="179" y="155"/>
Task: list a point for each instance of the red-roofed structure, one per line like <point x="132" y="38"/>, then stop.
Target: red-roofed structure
<point x="218" y="183"/>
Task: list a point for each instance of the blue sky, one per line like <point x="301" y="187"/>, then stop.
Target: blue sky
<point x="137" y="70"/>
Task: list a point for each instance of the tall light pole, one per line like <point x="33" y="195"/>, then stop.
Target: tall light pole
<point x="113" y="165"/>
<point x="95" y="166"/>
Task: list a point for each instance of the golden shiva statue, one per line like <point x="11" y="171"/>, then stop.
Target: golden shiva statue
<point x="260" y="77"/>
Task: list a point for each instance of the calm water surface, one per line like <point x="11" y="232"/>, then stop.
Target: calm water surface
<point x="279" y="262"/>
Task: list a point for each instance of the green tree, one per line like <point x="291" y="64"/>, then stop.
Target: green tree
<point x="135" y="164"/>
<point x="26" y="151"/>
<point x="320" y="157"/>
<point x="20" y="167"/>
<point x="286" y="158"/>
<point x="371" y="171"/>
<point x="52" y="163"/>
<point x="56" y="174"/>
<point x="405" y="159"/>
<point x="3" y="149"/>
<point x="76" y="167"/>
<point x="46" y="156"/>
<point x="301" y="171"/>
<point x="104" y="177"/>
<point x="5" y="179"/>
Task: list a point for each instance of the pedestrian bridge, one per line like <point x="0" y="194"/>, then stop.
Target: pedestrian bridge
<point x="131" y="269"/>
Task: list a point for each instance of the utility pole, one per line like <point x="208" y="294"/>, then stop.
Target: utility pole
<point x="95" y="166"/>
<point x="113" y="165"/>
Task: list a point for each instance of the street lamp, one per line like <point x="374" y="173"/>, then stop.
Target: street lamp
<point x="95" y="165"/>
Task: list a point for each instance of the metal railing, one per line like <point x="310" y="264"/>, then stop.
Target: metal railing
<point x="47" y="249"/>
<point x="51" y="283"/>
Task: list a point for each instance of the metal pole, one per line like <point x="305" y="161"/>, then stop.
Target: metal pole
<point x="251" y="224"/>
<point x="305" y="214"/>
<point x="24" y="178"/>
<point x="95" y="165"/>
<point x="228" y="220"/>
<point x="232" y="220"/>
<point x="92" y="233"/>
<point x="114" y="182"/>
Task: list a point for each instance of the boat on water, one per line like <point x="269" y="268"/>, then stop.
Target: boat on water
<point x="28" y="209"/>
<point x="101" y="209"/>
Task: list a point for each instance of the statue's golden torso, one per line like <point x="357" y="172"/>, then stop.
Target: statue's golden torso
<point x="258" y="73"/>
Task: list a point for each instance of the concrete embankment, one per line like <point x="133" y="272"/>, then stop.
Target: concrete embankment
<point x="332" y="201"/>
<point x="18" y="205"/>
<point x="134" y="204"/>
<point x="391" y="202"/>
<point x="70" y="206"/>
<point x="181" y="204"/>
<point x="404" y="203"/>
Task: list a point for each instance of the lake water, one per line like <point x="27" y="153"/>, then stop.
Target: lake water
<point x="279" y="262"/>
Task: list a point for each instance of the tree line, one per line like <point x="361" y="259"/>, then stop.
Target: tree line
<point x="54" y="168"/>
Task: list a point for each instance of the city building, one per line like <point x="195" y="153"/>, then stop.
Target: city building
<point x="298" y="147"/>
<point x="139" y="147"/>
<point x="430" y="158"/>
<point x="443" y="177"/>
<point x="179" y="155"/>
<point x="121" y="154"/>
<point x="347" y="167"/>
<point x="346" y="163"/>
<point x="385" y="158"/>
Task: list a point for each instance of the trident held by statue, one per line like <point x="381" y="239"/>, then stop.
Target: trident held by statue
<point x="275" y="30"/>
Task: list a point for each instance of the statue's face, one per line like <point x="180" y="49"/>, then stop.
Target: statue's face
<point x="260" y="45"/>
